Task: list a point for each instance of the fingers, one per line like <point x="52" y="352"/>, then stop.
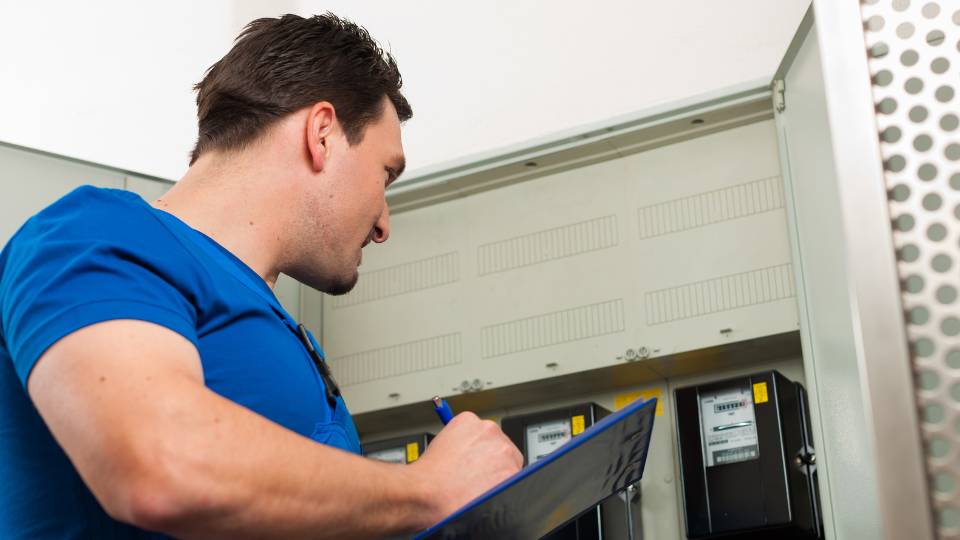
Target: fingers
<point x="465" y="417"/>
<point x="490" y="427"/>
<point x="469" y="456"/>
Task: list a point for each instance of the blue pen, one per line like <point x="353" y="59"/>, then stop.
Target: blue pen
<point x="443" y="410"/>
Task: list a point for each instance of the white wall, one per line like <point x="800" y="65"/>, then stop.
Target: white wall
<point x="483" y="75"/>
<point x="110" y="81"/>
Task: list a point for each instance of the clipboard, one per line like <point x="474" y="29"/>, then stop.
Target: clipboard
<point x="601" y="461"/>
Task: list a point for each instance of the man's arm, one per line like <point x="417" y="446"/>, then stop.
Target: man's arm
<point x="126" y="401"/>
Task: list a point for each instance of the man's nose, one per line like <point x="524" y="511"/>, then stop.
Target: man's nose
<point x="381" y="231"/>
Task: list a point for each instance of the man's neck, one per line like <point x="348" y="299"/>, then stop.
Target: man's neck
<point x="226" y="200"/>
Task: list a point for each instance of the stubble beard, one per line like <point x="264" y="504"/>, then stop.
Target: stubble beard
<point x="327" y="271"/>
<point x="343" y="284"/>
<point x="321" y="266"/>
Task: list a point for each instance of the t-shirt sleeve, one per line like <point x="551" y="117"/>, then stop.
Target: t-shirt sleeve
<point x="60" y="275"/>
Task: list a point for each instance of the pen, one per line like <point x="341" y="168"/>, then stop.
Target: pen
<point x="443" y="410"/>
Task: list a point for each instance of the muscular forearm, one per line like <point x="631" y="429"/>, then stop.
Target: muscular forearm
<point x="127" y="403"/>
<point x="228" y="473"/>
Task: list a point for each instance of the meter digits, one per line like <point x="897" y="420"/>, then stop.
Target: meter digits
<point x="728" y="425"/>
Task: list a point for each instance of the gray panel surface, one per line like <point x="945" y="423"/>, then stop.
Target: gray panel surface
<point x="848" y="490"/>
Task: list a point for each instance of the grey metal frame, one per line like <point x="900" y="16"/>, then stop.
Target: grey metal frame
<point x="806" y="24"/>
<point x="883" y="356"/>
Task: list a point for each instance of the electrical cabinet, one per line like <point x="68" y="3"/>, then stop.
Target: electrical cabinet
<point x="645" y="253"/>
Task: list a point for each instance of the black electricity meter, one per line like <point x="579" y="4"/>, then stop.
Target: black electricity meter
<point x="402" y="450"/>
<point x="746" y="459"/>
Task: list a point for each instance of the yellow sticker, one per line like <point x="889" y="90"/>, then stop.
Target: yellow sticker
<point x="622" y="400"/>
<point x="413" y="452"/>
<point x="576" y="425"/>
<point x="760" y="393"/>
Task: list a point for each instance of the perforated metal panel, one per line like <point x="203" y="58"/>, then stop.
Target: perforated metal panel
<point x="914" y="58"/>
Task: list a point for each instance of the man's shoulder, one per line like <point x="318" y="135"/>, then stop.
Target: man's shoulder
<point x="92" y="213"/>
<point x="94" y="204"/>
<point x="89" y="224"/>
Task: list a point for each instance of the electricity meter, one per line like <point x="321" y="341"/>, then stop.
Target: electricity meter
<point x="746" y="459"/>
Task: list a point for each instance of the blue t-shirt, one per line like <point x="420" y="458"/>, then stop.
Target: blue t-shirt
<point x="98" y="255"/>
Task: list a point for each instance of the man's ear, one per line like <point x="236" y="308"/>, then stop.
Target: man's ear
<point x="321" y="122"/>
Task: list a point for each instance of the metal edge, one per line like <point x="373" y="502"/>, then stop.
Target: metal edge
<point x="780" y="438"/>
<point x="809" y="365"/>
<point x="806" y="24"/>
<point x="125" y="172"/>
<point x="803" y="312"/>
<point x="883" y="359"/>
<point x="752" y="90"/>
<point x="678" y="462"/>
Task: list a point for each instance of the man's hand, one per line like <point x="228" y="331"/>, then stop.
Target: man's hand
<point x="466" y="459"/>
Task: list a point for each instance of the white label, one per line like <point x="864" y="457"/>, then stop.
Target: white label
<point x="729" y="426"/>
<point x="390" y="455"/>
<point x="545" y="438"/>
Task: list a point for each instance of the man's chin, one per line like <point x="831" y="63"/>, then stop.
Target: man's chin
<point x="339" y="288"/>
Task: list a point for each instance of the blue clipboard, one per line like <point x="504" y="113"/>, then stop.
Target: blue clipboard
<point x="601" y="461"/>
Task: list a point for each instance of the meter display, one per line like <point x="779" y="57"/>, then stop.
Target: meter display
<point x="402" y="450"/>
<point x="728" y="424"/>
<point x="390" y="455"/>
<point x="546" y="437"/>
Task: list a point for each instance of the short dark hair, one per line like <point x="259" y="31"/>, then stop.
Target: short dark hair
<point x="278" y="66"/>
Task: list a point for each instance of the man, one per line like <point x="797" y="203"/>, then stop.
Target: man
<point x="150" y="380"/>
